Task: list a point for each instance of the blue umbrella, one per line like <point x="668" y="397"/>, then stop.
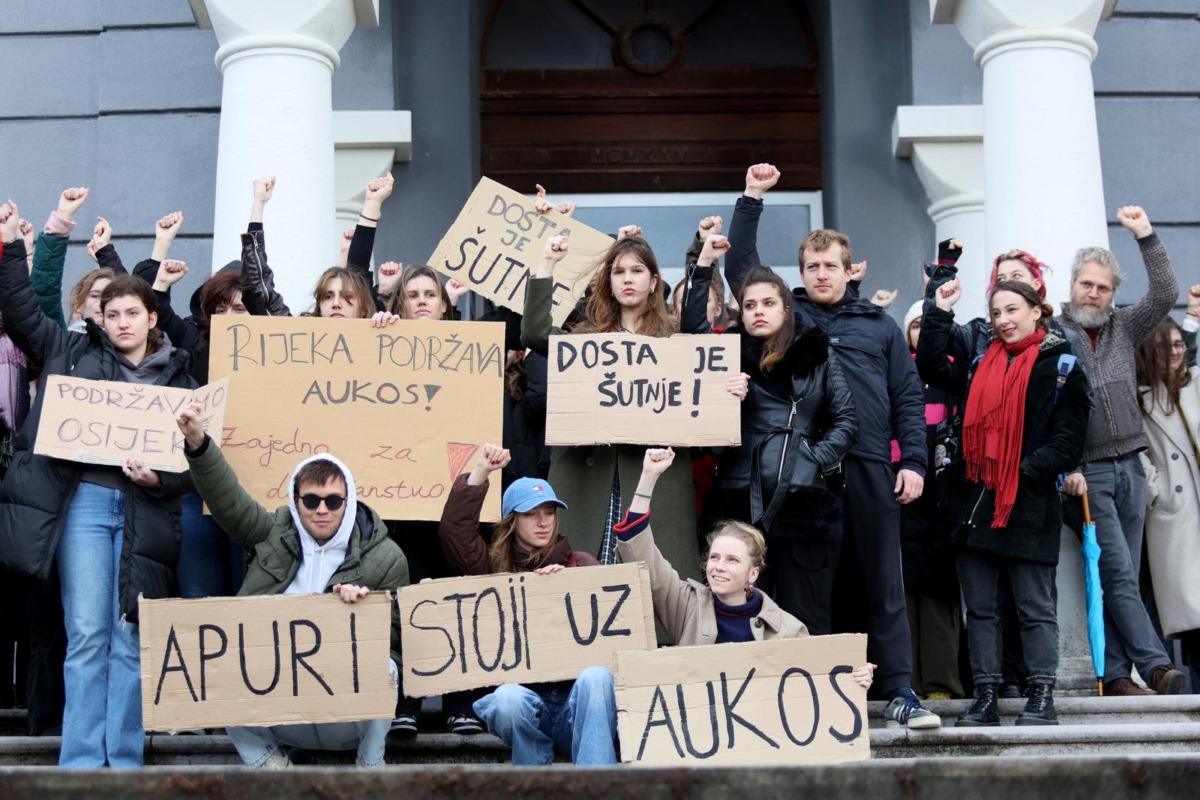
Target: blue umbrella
<point x="1095" y="594"/>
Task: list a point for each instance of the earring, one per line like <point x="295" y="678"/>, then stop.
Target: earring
<point x="750" y="589"/>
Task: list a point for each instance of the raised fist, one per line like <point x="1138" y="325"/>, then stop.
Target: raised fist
<point x="948" y="294"/>
<point x="556" y="248"/>
<point x="857" y="271"/>
<point x="715" y="246"/>
<point x="625" y="231"/>
<point x="455" y="290"/>
<point x="101" y="235"/>
<point x="10" y="222"/>
<point x="389" y="276"/>
<point x="379" y="190"/>
<point x="760" y="178"/>
<point x="169" y="273"/>
<point x="1135" y="221"/>
<point x="169" y="226"/>
<point x="883" y="298"/>
<point x="263" y="188"/>
<point x="70" y="201"/>
<point x="709" y="225"/>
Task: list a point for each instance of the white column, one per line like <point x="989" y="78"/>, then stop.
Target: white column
<point x="366" y="145"/>
<point x="945" y="144"/>
<point x="1041" y="151"/>
<point x="277" y="58"/>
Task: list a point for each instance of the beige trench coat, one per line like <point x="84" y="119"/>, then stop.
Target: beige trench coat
<point x="1173" y="511"/>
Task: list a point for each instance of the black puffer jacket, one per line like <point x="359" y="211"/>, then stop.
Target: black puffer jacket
<point x="37" y="490"/>
<point x="1052" y="443"/>
<point x="798" y="423"/>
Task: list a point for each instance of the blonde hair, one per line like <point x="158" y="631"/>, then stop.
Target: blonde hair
<point x="501" y="555"/>
<point x="745" y="533"/>
<point x="83" y="287"/>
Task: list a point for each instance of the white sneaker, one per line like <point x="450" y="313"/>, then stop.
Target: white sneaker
<point x="358" y="762"/>
<point x="277" y="760"/>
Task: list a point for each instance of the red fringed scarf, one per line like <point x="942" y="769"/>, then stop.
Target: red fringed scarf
<point x="994" y="421"/>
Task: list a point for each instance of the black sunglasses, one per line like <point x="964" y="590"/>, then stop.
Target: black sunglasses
<point x="312" y="501"/>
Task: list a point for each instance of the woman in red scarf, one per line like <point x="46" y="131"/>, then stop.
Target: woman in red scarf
<point x="1024" y="423"/>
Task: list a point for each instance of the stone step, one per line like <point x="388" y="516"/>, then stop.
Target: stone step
<point x="1165" y="709"/>
<point x="1154" y="777"/>
<point x="441" y="748"/>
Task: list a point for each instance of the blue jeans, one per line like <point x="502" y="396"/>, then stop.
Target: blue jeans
<point x="369" y="737"/>
<point x="102" y="720"/>
<point x="578" y="718"/>
<point x="211" y="564"/>
<point x="1117" y="496"/>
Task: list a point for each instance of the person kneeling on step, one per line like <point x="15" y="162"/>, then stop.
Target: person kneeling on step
<point x="316" y="543"/>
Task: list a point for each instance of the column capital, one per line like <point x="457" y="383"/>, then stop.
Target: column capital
<point x="317" y="28"/>
<point x="987" y="24"/>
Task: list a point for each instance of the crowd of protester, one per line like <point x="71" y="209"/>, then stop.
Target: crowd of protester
<point x="908" y="481"/>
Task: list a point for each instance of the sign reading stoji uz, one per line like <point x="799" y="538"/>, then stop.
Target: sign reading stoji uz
<point x="405" y="407"/>
<point x="106" y="422"/>
<point x="786" y="701"/>
<point x="497" y="241"/>
<point x="618" y="388"/>
<point x="274" y="660"/>
<point x="463" y="633"/>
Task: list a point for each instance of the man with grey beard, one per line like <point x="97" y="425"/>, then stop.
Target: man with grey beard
<point x="1111" y="473"/>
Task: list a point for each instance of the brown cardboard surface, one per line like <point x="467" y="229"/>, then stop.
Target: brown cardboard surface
<point x="462" y="633"/>
<point x="610" y="388"/>
<point x="727" y="688"/>
<point x="405" y="407"/>
<point x="496" y="242"/>
<point x="106" y="422"/>
<point x="194" y="682"/>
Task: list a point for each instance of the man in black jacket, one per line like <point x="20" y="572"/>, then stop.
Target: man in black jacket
<point x="889" y="402"/>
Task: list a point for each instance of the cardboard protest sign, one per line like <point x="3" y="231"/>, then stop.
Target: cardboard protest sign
<point x="405" y="407"/>
<point x="271" y="660"/>
<point x="786" y="701"/>
<point x="497" y="241"/>
<point x="106" y="422"/>
<point x="610" y="388"/>
<point x="462" y="633"/>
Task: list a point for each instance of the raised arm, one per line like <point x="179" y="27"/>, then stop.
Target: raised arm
<point x="31" y="330"/>
<point x="537" y="319"/>
<point x="101" y="250"/>
<point x="458" y="530"/>
<point x="258" y="282"/>
<point x="1191" y="323"/>
<point x="232" y="507"/>
<point x="694" y="317"/>
<point x="938" y="362"/>
<point x="743" y="228"/>
<point x="165" y="231"/>
<point x="51" y="253"/>
<point x="1143" y="317"/>
<point x="362" y="243"/>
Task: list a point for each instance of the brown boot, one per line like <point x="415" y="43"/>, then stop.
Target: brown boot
<point x="1124" y="687"/>
<point x="1167" y="680"/>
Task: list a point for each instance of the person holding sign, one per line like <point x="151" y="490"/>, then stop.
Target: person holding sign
<point x="728" y="607"/>
<point x="577" y="717"/>
<point x="1018" y="435"/>
<point x="627" y="297"/>
<point x="113" y="533"/>
<point x="798" y="423"/>
<point x="319" y="542"/>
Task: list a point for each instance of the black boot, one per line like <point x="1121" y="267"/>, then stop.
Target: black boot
<point x="1039" y="708"/>
<point x="985" y="711"/>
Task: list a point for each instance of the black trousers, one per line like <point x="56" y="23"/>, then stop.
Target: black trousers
<point x="869" y="587"/>
<point x="47" y="652"/>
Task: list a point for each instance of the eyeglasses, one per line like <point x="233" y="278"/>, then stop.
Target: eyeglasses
<point x="1180" y="346"/>
<point x="313" y="501"/>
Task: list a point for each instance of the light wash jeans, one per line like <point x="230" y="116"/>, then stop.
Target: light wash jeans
<point x="102" y="720"/>
<point x="578" y="718"/>
<point x="369" y="737"/>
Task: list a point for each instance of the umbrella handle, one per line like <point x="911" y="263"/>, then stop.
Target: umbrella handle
<point x="1087" y="511"/>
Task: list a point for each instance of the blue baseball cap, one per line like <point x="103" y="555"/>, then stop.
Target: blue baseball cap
<point x="526" y="494"/>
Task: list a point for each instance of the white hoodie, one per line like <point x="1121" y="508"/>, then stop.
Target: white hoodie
<point x="319" y="562"/>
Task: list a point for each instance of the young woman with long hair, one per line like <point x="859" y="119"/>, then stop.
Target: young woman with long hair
<point x="1020" y="430"/>
<point x="1170" y="405"/>
<point x="577" y="718"/>
<point x="114" y="532"/>
<point x="627" y="297"/>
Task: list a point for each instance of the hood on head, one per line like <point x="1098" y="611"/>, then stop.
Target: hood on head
<point x="342" y="535"/>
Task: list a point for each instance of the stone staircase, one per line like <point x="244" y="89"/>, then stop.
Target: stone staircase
<point x="1089" y="726"/>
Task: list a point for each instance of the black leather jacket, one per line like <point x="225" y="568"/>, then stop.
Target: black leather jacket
<point x="798" y="420"/>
